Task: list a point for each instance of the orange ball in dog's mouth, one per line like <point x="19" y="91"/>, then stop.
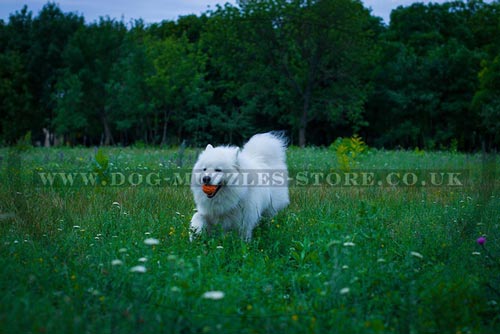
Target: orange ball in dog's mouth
<point x="210" y="190"/>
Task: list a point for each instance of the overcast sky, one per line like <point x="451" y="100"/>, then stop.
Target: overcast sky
<point x="158" y="10"/>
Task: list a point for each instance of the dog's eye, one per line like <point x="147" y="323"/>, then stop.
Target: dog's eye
<point x="218" y="170"/>
<point x="205" y="169"/>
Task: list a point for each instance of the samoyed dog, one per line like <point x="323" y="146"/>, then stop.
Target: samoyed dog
<point x="233" y="188"/>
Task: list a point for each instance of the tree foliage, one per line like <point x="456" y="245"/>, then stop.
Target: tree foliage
<point x="428" y="75"/>
<point x="320" y="69"/>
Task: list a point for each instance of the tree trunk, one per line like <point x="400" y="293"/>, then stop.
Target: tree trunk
<point x="108" y="136"/>
<point x="46" y="132"/>
<point x="302" y="136"/>
<point x="303" y="119"/>
<point x="165" y="125"/>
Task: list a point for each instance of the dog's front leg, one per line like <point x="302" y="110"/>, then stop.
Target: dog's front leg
<point x="197" y="225"/>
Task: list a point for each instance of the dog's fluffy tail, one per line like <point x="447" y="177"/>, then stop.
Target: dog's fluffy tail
<point x="270" y="147"/>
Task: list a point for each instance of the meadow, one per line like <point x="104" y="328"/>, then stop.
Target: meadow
<point x="339" y="259"/>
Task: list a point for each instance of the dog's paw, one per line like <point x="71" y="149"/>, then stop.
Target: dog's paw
<point x="196" y="226"/>
<point x="194" y="233"/>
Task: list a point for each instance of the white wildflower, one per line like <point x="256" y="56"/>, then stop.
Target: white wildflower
<point x="151" y="241"/>
<point x="416" y="254"/>
<point x="344" y="291"/>
<point x="138" y="269"/>
<point x="116" y="262"/>
<point x="214" y="295"/>
<point x="143" y="259"/>
<point x="349" y="244"/>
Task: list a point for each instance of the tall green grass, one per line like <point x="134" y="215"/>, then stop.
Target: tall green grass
<point x="337" y="260"/>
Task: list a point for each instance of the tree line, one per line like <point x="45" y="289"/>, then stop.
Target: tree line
<point x="319" y="69"/>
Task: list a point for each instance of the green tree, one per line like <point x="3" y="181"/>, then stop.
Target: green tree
<point x="427" y="77"/>
<point x="130" y="100"/>
<point x="15" y="98"/>
<point x="487" y="101"/>
<point x="70" y="117"/>
<point x="177" y="83"/>
<point x="89" y="58"/>
<point x="227" y="119"/>
<point x="305" y="60"/>
<point x="31" y="51"/>
<point x="16" y="101"/>
<point x="51" y="31"/>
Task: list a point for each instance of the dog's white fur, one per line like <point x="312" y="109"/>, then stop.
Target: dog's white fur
<point x="240" y="206"/>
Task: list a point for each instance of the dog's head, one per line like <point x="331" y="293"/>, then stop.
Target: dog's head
<point x="214" y="169"/>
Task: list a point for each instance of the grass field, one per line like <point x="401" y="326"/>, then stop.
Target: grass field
<point x="390" y="259"/>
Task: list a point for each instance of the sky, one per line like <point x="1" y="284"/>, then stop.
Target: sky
<point x="157" y="10"/>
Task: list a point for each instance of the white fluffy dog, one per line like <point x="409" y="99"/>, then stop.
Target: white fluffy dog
<point x="234" y="187"/>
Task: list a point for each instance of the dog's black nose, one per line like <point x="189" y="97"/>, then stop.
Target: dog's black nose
<point x="206" y="179"/>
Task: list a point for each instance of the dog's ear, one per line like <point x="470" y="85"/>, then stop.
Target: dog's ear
<point x="209" y="147"/>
